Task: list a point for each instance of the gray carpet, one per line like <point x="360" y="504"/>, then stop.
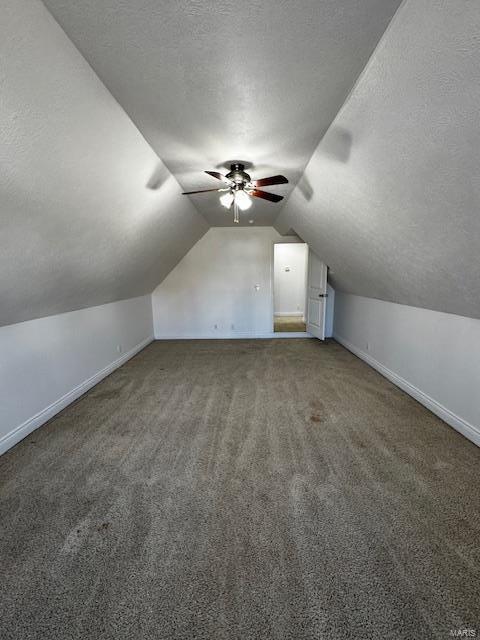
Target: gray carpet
<point x="241" y="490"/>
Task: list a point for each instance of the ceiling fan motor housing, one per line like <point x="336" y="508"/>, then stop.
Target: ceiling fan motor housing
<point x="238" y="175"/>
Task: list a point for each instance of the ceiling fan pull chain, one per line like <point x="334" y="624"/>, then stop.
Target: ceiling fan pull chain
<point x="236" y="217"/>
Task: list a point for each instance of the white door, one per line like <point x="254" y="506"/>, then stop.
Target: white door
<point x="316" y="295"/>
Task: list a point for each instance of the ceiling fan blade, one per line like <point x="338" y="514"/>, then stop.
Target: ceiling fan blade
<point x="188" y="193"/>
<point x="219" y="176"/>
<point x="265" y="195"/>
<point x="264" y="182"/>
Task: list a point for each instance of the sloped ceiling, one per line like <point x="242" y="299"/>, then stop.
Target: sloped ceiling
<point x="391" y="196"/>
<point x="88" y="212"/>
<point x="207" y="81"/>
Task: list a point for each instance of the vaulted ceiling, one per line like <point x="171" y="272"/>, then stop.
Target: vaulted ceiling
<point x="391" y="197"/>
<point x="88" y="212"/>
<point x="208" y="81"/>
<point x="105" y="121"/>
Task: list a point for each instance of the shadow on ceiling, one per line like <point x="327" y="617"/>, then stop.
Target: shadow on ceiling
<point x="159" y="176"/>
<point x="305" y="187"/>
<point x="337" y="145"/>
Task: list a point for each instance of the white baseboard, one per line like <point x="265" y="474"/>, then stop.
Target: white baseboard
<point x="465" y="428"/>
<point x="23" y="430"/>
<point x="236" y="336"/>
<point x="280" y="314"/>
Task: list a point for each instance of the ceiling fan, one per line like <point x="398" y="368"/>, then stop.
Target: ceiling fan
<point x="239" y="187"/>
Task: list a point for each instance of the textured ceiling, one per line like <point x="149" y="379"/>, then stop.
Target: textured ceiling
<point x="391" y="196"/>
<point x="207" y="81"/>
<point x="88" y="213"/>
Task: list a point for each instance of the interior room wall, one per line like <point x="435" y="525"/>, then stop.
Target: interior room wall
<point x="49" y="362"/>
<point x="289" y="279"/>
<point x="433" y="356"/>
<point x="212" y="292"/>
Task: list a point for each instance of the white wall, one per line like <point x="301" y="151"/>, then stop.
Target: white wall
<point x="214" y="284"/>
<point x="47" y="363"/>
<point x="289" y="286"/>
<point x="433" y="356"/>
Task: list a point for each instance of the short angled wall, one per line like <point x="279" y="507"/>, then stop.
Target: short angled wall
<point x="48" y="363"/>
<point x="433" y="356"/>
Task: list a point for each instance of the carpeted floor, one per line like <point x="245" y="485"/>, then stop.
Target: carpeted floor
<point x="268" y="489"/>
<point x="288" y="323"/>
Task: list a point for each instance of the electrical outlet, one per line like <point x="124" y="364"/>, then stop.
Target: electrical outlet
<point x="215" y="326"/>
<point x="232" y="326"/>
<point x="119" y="348"/>
<point x="368" y="346"/>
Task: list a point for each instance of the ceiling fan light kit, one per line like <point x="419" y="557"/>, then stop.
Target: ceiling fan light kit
<point x="242" y="200"/>
<point x="240" y="188"/>
<point x="227" y="199"/>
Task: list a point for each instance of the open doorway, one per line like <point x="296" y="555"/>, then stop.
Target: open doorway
<point x="289" y="286"/>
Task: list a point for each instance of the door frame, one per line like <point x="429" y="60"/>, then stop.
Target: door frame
<point x="294" y="240"/>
